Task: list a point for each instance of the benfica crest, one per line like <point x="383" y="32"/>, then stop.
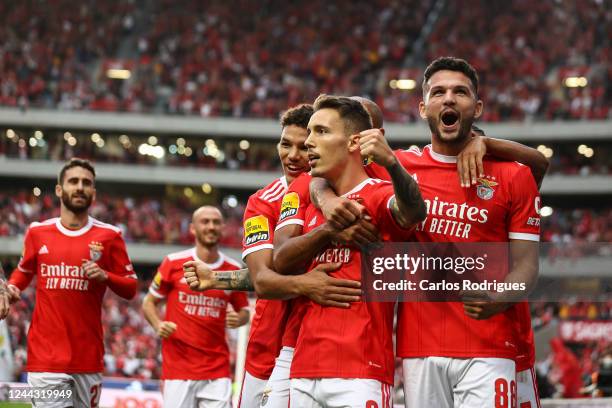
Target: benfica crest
<point x="484" y="189"/>
<point x="95" y="250"/>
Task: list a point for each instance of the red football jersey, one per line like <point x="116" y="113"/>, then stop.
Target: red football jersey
<point x="268" y="324"/>
<point x="198" y="349"/>
<point x="66" y="330"/>
<point x="293" y="212"/>
<point x="356" y="342"/>
<point x="504" y="205"/>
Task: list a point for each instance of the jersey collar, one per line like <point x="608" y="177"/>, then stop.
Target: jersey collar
<point x="74" y="233"/>
<point x="440" y="157"/>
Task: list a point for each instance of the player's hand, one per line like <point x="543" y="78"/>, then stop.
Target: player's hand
<point x="469" y="160"/>
<point x="374" y="146"/>
<point x="362" y="232"/>
<point x="165" y="329"/>
<point x="13" y="292"/>
<point x="481" y="305"/>
<point x="341" y="212"/>
<point x="327" y="291"/>
<point x="232" y="319"/>
<point x="94" y="272"/>
<point x="198" y="276"/>
<point x="4" y="300"/>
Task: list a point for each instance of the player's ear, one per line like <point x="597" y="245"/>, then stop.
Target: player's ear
<point x="478" y="109"/>
<point x="192" y="229"/>
<point x="353" y="142"/>
<point x="58" y="191"/>
<point x="422" y="110"/>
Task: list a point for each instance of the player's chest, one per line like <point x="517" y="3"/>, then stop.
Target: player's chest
<point x="455" y="213"/>
<point x="72" y="251"/>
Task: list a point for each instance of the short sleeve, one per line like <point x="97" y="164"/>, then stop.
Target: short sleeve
<point x="161" y="285"/>
<point x="239" y="300"/>
<point x="295" y="202"/>
<point x="258" y="222"/>
<point x="524" y="215"/>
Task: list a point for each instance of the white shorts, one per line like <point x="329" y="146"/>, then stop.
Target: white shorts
<point x="251" y="392"/>
<point x="276" y="392"/>
<point x="85" y="389"/>
<point x="340" y="393"/>
<point x="215" y="393"/>
<point x="527" y="389"/>
<point x="444" y="382"/>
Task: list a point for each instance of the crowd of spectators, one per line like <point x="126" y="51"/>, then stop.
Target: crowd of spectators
<point x="203" y="58"/>
<point x="227" y="153"/>
<point x="142" y="219"/>
<point x="166" y="220"/>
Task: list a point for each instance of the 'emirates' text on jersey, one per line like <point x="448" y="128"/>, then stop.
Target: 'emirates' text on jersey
<point x="66" y="330"/>
<point x="198" y="349"/>
<point x="503" y="205"/>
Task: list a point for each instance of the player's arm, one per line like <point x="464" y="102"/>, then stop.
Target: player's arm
<point x="151" y="313"/>
<point x="23" y="274"/>
<point x="469" y="161"/>
<point x="524" y="268"/>
<point x="340" y="212"/>
<point x="407" y="207"/>
<point x="316" y="285"/>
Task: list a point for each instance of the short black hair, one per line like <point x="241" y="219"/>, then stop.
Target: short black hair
<point x="75" y="162"/>
<point x="298" y="115"/>
<point x="356" y="118"/>
<point x="452" y="64"/>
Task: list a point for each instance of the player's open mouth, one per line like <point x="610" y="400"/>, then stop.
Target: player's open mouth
<point x="449" y="119"/>
<point x="292" y="168"/>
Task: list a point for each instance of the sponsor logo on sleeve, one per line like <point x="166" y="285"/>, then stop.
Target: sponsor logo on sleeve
<point x="289" y="206"/>
<point x="256" y="229"/>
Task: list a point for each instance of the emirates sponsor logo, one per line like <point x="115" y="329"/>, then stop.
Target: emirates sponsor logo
<point x="457" y="211"/>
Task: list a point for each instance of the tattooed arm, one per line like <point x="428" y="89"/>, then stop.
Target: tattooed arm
<point x="407" y="207"/>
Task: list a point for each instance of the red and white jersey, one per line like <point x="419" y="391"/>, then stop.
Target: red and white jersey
<point x="355" y="342"/>
<point x="198" y="349"/>
<point x="268" y="324"/>
<point x="66" y="330"/>
<point x="503" y="205"/>
<point x="293" y="212"/>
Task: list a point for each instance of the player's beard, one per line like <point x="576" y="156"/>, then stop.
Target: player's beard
<point x="76" y="208"/>
<point x="206" y="242"/>
<point x="463" y="133"/>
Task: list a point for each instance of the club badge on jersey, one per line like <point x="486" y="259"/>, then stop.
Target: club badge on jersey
<point x="485" y="190"/>
<point x="95" y="250"/>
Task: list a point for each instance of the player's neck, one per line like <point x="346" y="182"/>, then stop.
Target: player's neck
<point x="209" y="255"/>
<point x="448" y="148"/>
<point x="73" y="220"/>
<point x="348" y="177"/>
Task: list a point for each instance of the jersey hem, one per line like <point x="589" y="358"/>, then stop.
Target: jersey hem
<point x="326" y="374"/>
<point x="67" y="370"/>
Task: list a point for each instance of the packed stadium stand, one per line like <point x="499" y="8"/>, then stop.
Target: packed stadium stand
<point x="178" y="107"/>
